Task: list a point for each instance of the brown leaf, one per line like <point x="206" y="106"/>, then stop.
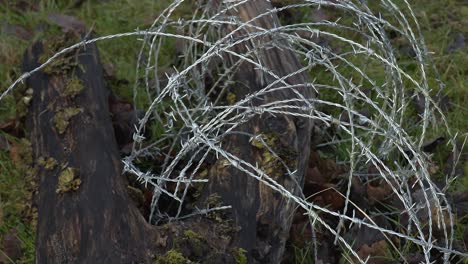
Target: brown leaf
<point x="378" y="191"/>
<point x="67" y="23"/>
<point x="329" y="168"/>
<point x="14" y="153"/>
<point x="10" y="127"/>
<point x="375" y="251"/>
<point x="331" y="199"/>
<point x="300" y="232"/>
<point x="314" y="181"/>
<point x="362" y="235"/>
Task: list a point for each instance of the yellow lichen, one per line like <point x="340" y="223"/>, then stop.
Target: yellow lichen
<point x="73" y="87"/>
<point x="68" y="180"/>
<point x="274" y="155"/>
<point x="62" y="118"/>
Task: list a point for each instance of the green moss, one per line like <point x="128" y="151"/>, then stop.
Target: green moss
<point x="172" y="257"/>
<point x="73" y="87"/>
<point x="192" y="235"/>
<point x="62" y="118"/>
<point x="194" y="241"/>
<point x="239" y="256"/>
<point x="68" y="180"/>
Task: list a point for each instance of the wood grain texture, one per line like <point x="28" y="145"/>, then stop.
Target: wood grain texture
<point x="262" y="215"/>
<point x="92" y="221"/>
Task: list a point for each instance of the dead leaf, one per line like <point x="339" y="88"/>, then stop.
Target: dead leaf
<point x="330" y="198"/>
<point x="14" y="154"/>
<point x="378" y="191"/>
<point x="314" y="177"/>
<point x="376" y="252"/>
<point x="358" y="195"/>
<point x="68" y="23"/>
<point x="11" y="127"/>
<point x="300" y="232"/>
<point x="330" y="169"/>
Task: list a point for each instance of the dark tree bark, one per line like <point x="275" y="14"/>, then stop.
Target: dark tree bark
<point x="85" y="215"/>
<point x="263" y="215"/>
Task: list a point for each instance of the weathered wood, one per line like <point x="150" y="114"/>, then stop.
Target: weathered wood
<point x="85" y="215"/>
<point x="262" y="215"/>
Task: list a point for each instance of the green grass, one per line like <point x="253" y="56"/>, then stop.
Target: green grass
<point x="440" y="20"/>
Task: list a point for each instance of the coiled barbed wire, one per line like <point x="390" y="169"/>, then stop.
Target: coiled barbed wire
<point x="195" y="117"/>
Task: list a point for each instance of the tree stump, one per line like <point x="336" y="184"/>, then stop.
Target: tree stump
<point x="85" y="214"/>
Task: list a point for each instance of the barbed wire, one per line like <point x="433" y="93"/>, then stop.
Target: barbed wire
<point x="195" y="115"/>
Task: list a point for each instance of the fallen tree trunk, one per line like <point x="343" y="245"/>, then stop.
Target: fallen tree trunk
<point x="85" y="215"/>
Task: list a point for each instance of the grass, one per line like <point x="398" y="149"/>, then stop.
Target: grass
<point x="440" y="21"/>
